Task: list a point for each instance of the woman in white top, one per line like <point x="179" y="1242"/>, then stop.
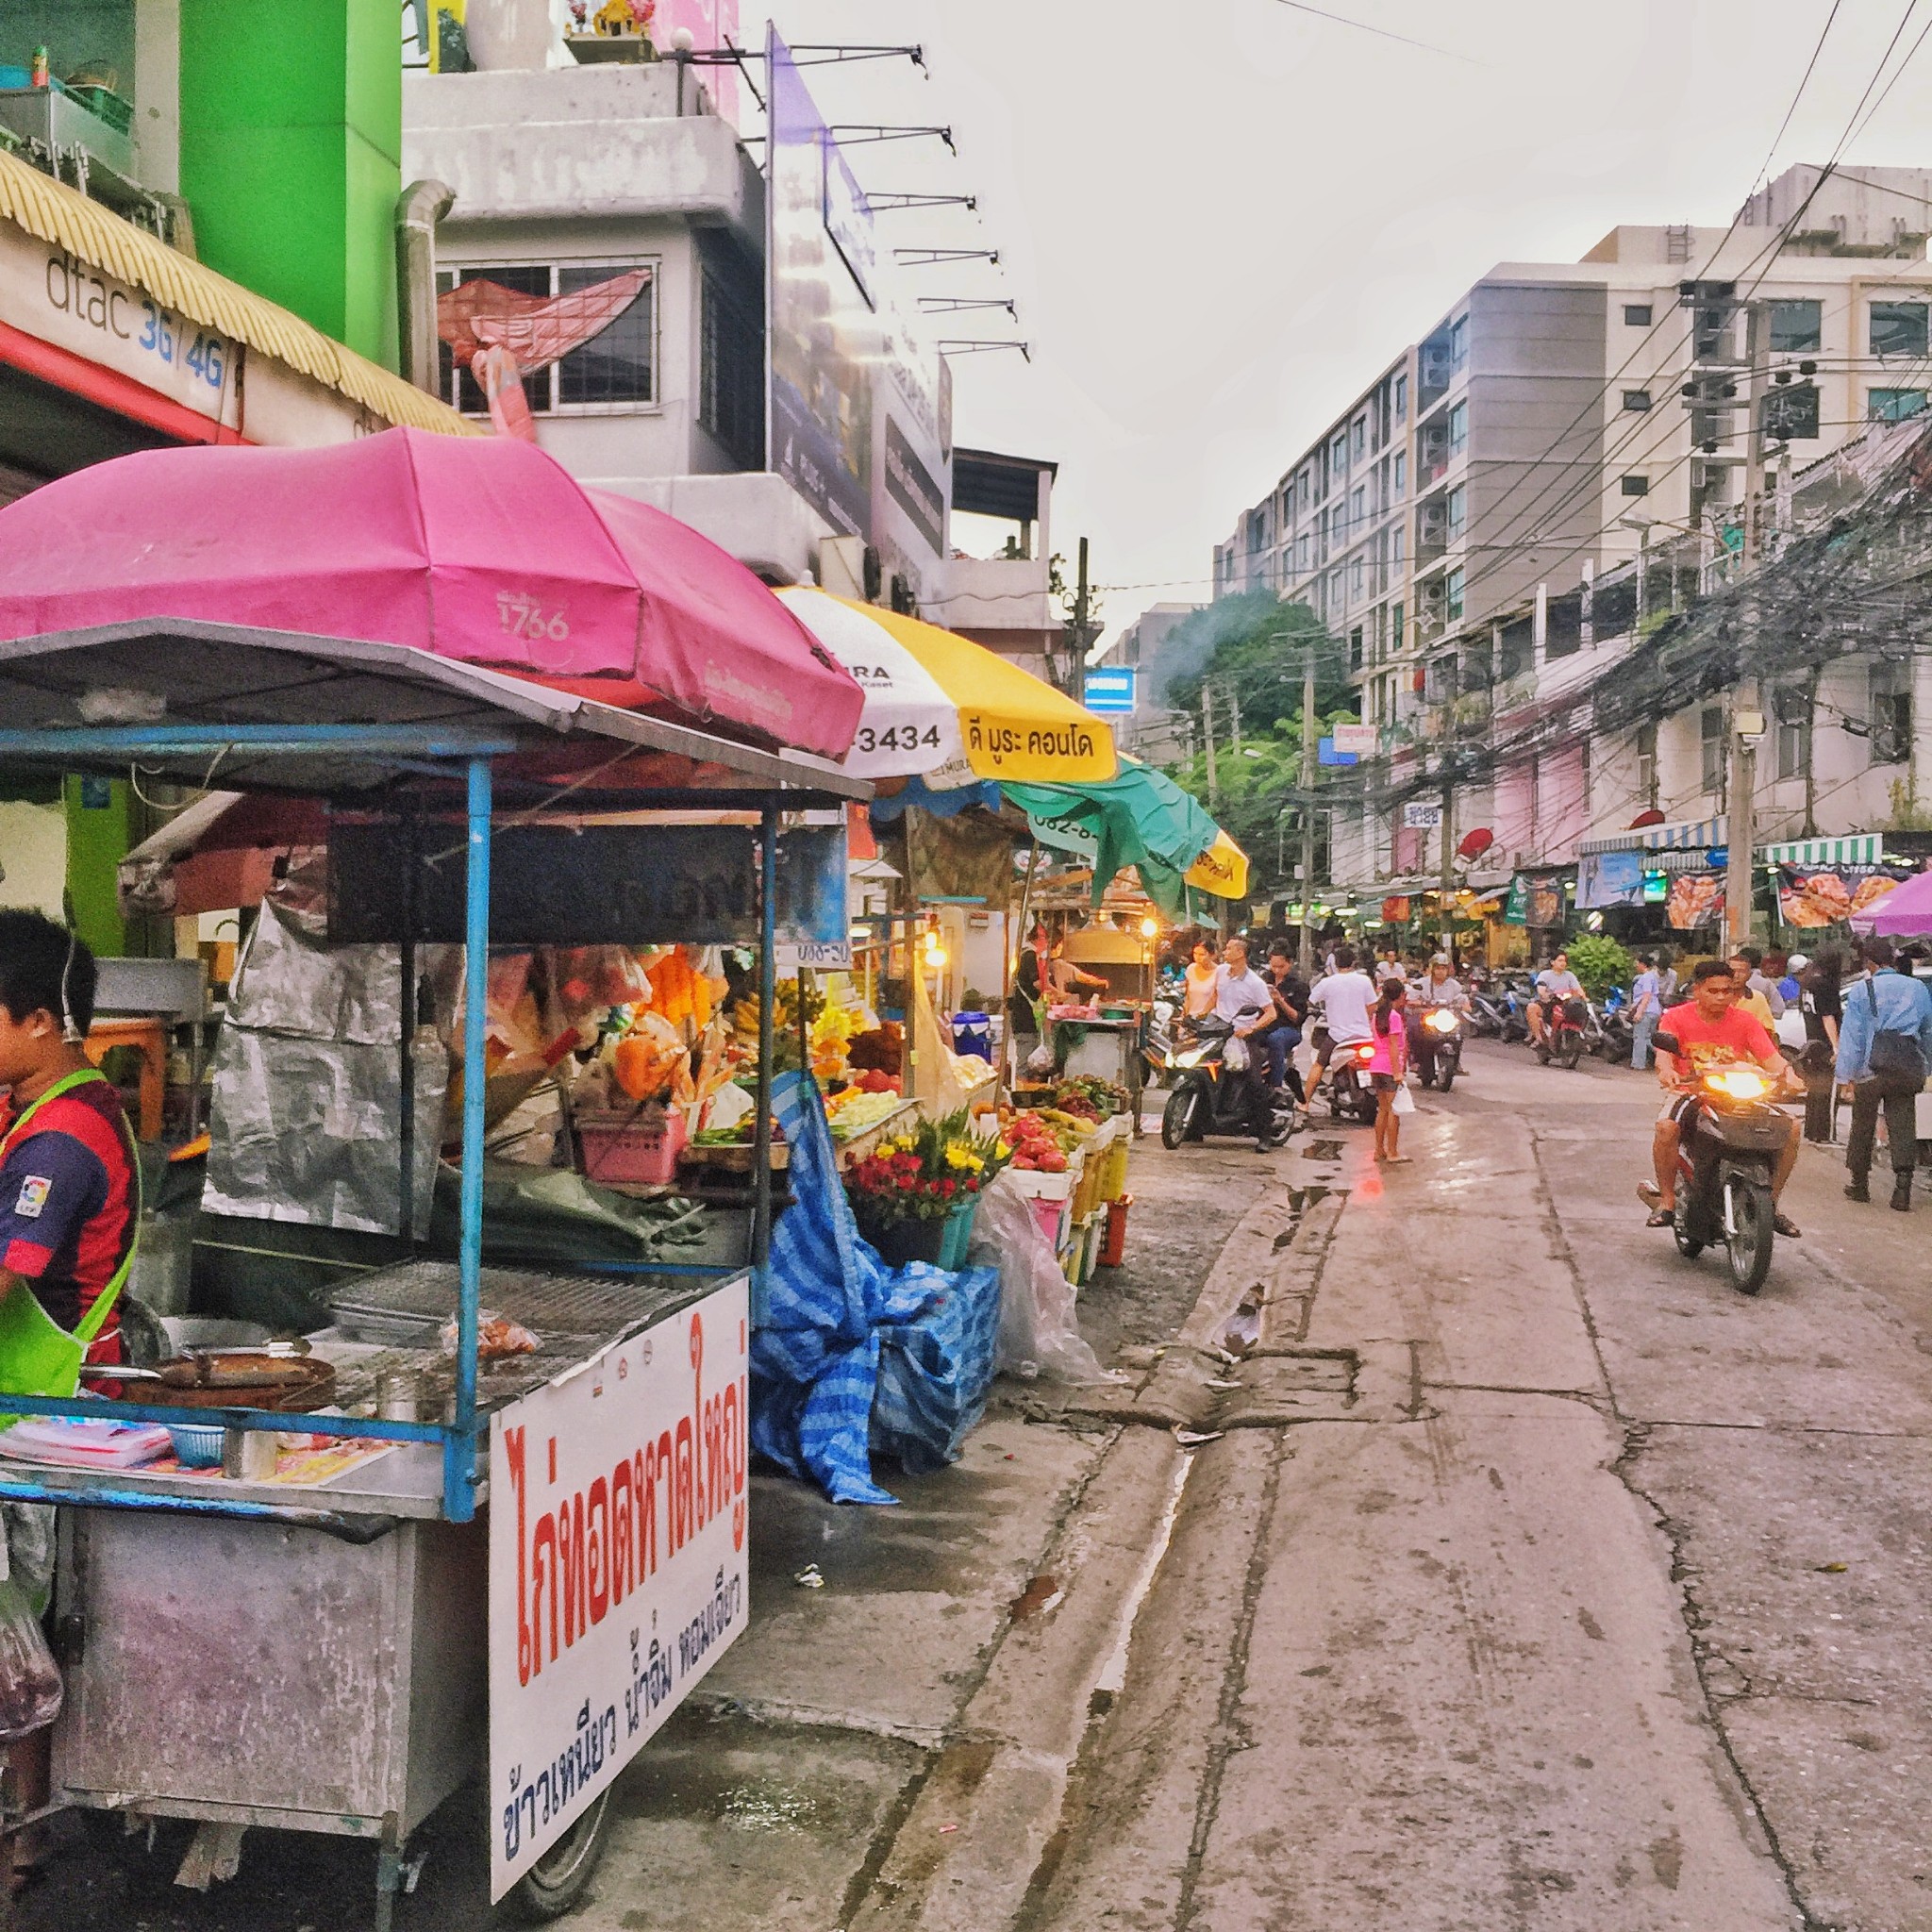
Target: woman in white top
<point x="1203" y="978"/>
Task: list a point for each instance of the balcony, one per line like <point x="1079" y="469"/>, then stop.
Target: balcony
<point x="79" y="138"/>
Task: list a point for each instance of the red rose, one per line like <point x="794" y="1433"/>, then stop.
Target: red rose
<point x="947" y="1188"/>
<point x="906" y="1180"/>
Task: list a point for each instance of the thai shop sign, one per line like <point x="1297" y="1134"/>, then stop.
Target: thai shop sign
<point x="588" y="885"/>
<point x="69" y="303"/>
<point x="617" y="1563"/>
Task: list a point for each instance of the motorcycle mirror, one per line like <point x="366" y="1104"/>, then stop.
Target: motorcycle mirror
<point x="1665" y="1042"/>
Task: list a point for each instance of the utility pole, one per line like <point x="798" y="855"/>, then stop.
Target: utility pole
<point x="1306" y="951"/>
<point x="1747" y="719"/>
<point x="1207" y="738"/>
<point x="1234" y="708"/>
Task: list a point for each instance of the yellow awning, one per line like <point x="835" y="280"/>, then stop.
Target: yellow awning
<point x="64" y="218"/>
<point x="1221" y="869"/>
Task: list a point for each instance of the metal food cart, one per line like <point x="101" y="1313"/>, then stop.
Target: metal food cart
<point x="349" y="1636"/>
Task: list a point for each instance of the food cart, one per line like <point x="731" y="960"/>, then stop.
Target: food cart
<point x="531" y="1574"/>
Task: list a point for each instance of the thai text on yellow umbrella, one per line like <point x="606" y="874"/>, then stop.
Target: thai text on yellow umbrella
<point x="1221" y="869"/>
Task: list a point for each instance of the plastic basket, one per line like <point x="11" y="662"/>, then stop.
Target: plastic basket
<point x="642" y="1150"/>
<point x="958" y="1233"/>
<point x="1113" y="1243"/>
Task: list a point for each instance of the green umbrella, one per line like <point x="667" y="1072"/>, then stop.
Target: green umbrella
<point x="1140" y="817"/>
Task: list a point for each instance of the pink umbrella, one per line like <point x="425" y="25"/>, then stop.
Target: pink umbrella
<point x="475" y="548"/>
<point x="1905" y="912"/>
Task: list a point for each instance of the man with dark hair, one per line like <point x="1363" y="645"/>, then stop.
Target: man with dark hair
<point x="1339" y="1004"/>
<point x="1284" y="1035"/>
<point x="1710" y="1031"/>
<point x="1884" y="1051"/>
<point x="69" y="1197"/>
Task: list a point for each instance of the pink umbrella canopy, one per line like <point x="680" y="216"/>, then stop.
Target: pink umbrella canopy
<point x="1905" y="912"/>
<point x="480" y="549"/>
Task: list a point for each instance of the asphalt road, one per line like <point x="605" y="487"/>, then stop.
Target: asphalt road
<point x="1528" y="1577"/>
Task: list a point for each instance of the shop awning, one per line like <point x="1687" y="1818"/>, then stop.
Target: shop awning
<point x="1684" y="835"/>
<point x="1854" y="848"/>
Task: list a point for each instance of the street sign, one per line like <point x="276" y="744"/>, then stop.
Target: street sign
<point x="1422" y="818"/>
<point x="1111" y="691"/>
<point x="1359" y="739"/>
<point x="1326" y="754"/>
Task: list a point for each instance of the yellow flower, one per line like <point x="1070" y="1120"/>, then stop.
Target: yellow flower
<point x="956" y="1156"/>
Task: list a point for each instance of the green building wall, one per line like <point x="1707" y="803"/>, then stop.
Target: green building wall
<point x="292" y="134"/>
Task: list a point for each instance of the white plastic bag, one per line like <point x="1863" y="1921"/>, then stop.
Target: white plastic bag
<point x="1040" y="1334"/>
<point x="30" y="1687"/>
<point x="1404" y="1100"/>
<point x="1790" y="1027"/>
<point x="1235" y="1056"/>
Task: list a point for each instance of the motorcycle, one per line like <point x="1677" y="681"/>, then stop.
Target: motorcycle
<point x="1350" y="1095"/>
<point x="1616" y="1035"/>
<point x="1438" y="1047"/>
<point x="1517" y="998"/>
<point x="1726" y="1153"/>
<point x="1486" y="1015"/>
<point x="1563" y="1029"/>
<point x="1209" y="1096"/>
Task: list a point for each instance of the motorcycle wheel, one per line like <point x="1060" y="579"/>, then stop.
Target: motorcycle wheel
<point x="1688" y="1248"/>
<point x="1749" y="1248"/>
<point x="1177" y="1116"/>
<point x="1445" y="1076"/>
<point x="1567" y="1056"/>
<point x="560" y="1879"/>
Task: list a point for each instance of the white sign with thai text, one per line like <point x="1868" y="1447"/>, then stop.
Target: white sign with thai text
<point x="1422" y="818"/>
<point x="59" y="299"/>
<point x="617" y="1563"/>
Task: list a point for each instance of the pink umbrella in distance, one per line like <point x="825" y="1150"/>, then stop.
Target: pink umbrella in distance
<point x="480" y="549"/>
<point x="1905" y="912"/>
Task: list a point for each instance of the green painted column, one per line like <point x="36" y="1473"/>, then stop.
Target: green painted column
<point x="100" y="831"/>
<point x="291" y="135"/>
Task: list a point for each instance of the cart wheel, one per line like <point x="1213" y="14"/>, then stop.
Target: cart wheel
<point x="558" y="1881"/>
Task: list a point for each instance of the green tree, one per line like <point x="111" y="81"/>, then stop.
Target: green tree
<point x="1599" y="963"/>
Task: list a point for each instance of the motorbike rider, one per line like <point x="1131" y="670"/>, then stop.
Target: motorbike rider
<point x="1246" y="1002"/>
<point x="1710" y="1031"/>
<point x="1283" y="1033"/>
<point x="1437" y="986"/>
<point x="1341" y="1002"/>
<point x="1555" y="984"/>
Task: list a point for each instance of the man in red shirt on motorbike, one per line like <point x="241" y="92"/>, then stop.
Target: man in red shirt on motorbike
<point x="1710" y="1031"/>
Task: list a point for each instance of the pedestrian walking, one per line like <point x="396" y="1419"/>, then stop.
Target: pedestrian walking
<point x="1884" y="1054"/>
<point x="1389" y="1069"/>
<point x="1647" y="1003"/>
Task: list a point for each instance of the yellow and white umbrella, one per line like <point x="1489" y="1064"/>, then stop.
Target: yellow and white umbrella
<point x="1221" y="869"/>
<point x="939" y="708"/>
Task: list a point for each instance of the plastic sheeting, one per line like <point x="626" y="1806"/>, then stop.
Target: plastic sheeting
<point x="1039" y="1332"/>
<point x="307" y="1087"/>
<point x="833" y="1309"/>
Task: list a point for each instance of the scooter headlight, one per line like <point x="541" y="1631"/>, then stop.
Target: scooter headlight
<point x="1191" y="1058"/>
<point x="1440" y="1021"/>
<point x="1738" y="1083"/>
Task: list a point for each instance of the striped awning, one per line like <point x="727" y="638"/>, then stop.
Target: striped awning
<point x="1855" y="848"/>
<point x="1685" y="835"/>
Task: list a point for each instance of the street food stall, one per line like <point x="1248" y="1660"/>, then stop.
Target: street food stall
<point x="494" y="1519"/>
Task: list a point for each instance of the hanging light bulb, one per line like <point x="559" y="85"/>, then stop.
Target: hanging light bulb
<point x="1150" y="927"/>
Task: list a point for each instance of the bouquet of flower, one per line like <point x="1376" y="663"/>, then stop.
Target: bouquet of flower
<point x="923" y="1173"/>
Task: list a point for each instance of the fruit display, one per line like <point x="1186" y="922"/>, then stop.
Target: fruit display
<point x="1044" y="1138"/>
<point x="1091" y="1097"/>
<point x="858" y="1110"/>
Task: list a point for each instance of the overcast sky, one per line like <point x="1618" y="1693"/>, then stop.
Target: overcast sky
<point x="1220" y="219"/>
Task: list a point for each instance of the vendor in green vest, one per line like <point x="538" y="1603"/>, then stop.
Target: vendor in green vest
<point x="68" y="1188"/>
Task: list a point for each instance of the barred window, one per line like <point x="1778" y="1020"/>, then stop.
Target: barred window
<point x="614" y="369"/>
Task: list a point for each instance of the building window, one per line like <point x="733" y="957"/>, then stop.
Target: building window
<point x="1401" y="474"/>
<point x="1646" y="764"/>
<point x="1633" y="485"/>
<point x="1458" y="342"/>
<point x="1456" y="501"/>
<point x="1300" y="552"/>
<point x="1338" y="457"/>
<point x="1359" y="439"/>
<point x="1893" y="405"/>
<point x="1440" y="683"/>
<point x="731" y="372"/>
<point x="1402" y="399"/>
<point x="615" y="368"/>
<point x="1356" y="576"/>
<point x="1355" y="649"/>
<point x="1637" y="315"/>
<point x="1711" y="748"/>
<point x="1358" y="505"/>
<point x="1637" y="399"/>
<point x="1892" y="714"/>
<point x="1898" y="328"/>
<point x="1452" y="596"/>
<point x="1789" y="708"/>
<point x="1397" y="545"/>
<point x="1395" y="628"/>
<point x="1458" y="429"/>
<point x="1797" y="328"/>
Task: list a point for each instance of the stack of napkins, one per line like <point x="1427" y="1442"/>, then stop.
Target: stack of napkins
<point x="85" y="1444"/>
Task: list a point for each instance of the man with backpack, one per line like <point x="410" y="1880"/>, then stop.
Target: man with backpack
<point x="1884" y="1052"/>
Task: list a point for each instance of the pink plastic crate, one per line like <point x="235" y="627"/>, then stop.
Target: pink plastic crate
<point x="642" y="1151"/>
<point x="1048" y="1214"/>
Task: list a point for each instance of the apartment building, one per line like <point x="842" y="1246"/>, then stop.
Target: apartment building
<point x="1557" y="419"/>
